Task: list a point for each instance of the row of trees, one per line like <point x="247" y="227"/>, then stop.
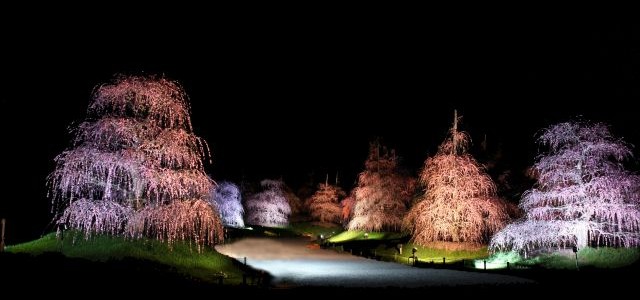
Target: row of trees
<point x="583" y="195"/>
<point x="136" y="169"/>
<point x="273" y="204"/>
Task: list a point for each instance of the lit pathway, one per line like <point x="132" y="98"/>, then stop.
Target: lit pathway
<point x="292" y="261"/>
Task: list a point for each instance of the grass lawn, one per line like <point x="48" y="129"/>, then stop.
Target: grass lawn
<point x="602" y="258"/>
<point x="385" y="245"/>
<point x="184" y="259"/>
<point x="314" y="229"/>
<point x="309" y="229"/>
<point x="427" y="254"/>
<point x="349" y="236"/>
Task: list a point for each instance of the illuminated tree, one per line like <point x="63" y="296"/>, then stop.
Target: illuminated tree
<point x="229" y="202"/>
<point x="324" y="204"/>
<point x="583" y="195"/>
<point x="382" y="192"/>
<point x="460" y="202"/>
<point x="347" y="204"/>
<point x="270" y="206"/>
<point x="136" y="167"/>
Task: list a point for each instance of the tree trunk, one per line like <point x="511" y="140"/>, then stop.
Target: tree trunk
<point x="2" y="236"/>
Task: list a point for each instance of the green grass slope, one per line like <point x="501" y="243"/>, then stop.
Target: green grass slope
<point x="207" y="265"/>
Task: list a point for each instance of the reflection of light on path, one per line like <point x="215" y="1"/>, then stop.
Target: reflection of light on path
<point x="290" y="261"/>
<point x="267" y="248"/>
<point x="480" y="264"/>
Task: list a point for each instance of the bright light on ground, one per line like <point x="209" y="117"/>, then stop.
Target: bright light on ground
<point x="498" y="260"/>
<point x="295" y="262"/>
<point x="496" y="264"/>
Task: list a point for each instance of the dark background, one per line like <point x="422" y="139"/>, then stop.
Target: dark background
<point x="301" y="98"/>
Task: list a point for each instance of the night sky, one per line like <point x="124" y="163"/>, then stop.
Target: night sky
<point x="299" y="101"/>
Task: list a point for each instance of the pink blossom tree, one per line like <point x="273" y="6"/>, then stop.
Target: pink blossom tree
<point x="136" y="167"/>
<point x="324" y="204"/>
<point x="227" y="198"/>
<point x="583" y="195"/>
<point x="382" y="192"/>
<point x="460" y="202"/>
<point x="270" y="206"/>
<point x="347" y="204"/>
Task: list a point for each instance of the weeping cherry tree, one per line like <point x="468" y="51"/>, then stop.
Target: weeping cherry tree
<point x="270" y="206"/>
<point x="324" y="204"/>
<point x="459" y="202"/>
<point x="227" y="198"/>
<point x="136" y="168"/>
<point x="583" y="195"/>
<point x="382" y="192"/>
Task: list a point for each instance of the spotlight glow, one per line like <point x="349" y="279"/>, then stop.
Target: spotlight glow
<point x="291" y="262"/>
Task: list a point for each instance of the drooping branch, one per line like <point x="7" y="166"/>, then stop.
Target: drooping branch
<point x="229" y="202"/>
<point x="135" y="153"/>
<point x="324" y="204"/>
<point x="270" y="206"/>
<point x="382" y="193"/>
<point x="194" y="220"/>
<point x="460" y="202"/>
<point x="583" y="195"/>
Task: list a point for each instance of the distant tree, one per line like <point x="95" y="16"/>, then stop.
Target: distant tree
<point x="295" y="203"/>
<point x="347" y="205"/>
<point x="227" y="198"/>
<point x="460" y="202"/>
<point x="324" y="204"/>
<point x="381" y="193"/>
<point x="308" y="187"/>
<point x="583" y="194"/>
<point x="136" y="167"/>
<point x="270" y="206"/>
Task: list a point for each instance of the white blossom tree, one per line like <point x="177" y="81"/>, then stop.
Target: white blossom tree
<point x="382" y="192"/>
<point x="460" y="202"/>
<point x="136" y="167"/>
<point x="324" y="204"/>
<point x="583" y="195"/>
<point x="227" y="198"/>
<point x="270" y="206"/>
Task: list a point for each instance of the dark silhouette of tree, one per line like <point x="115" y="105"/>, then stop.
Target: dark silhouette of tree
<point x="347" y="205"/>
<point x="295" y="203"/>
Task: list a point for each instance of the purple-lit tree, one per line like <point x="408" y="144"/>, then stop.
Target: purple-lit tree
<point x="136" y="167"/>
<point x="460" y="202"/>
<point x="382" y="192"/>
<point x="583" y="195"/>
<point x="229" y="202"/>
<point x="270" y="206"/>
<point x="324" y="204"/>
